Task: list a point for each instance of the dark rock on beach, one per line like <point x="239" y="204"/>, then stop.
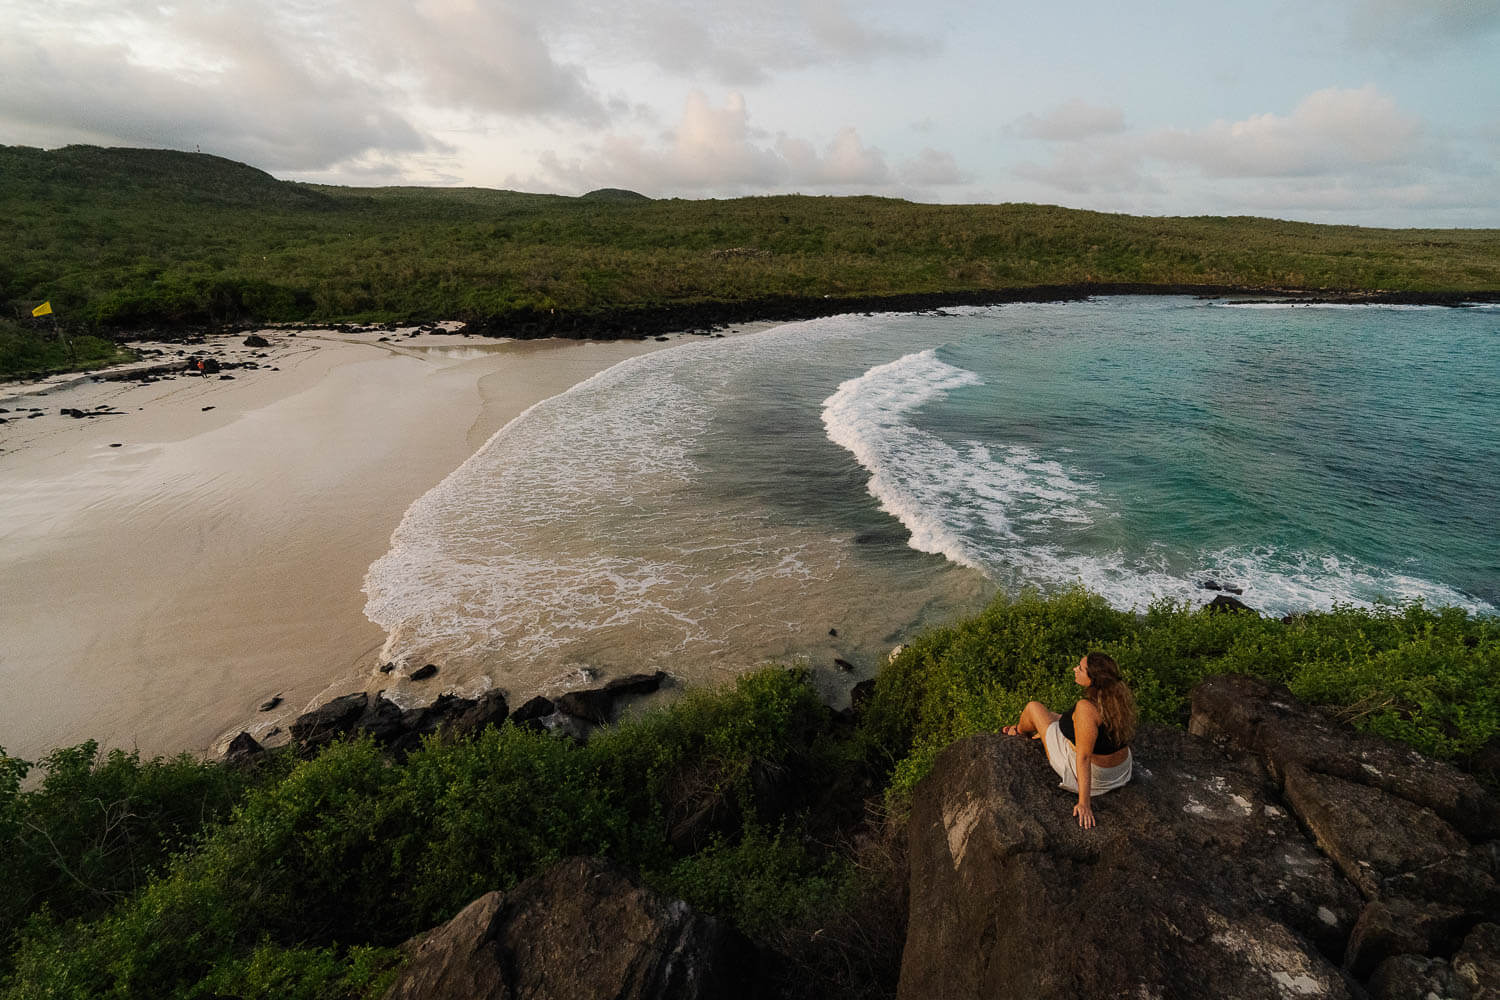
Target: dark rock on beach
<point x="242" y="750"/>
<point x="533" y="711"/>
<point x="584" y="929"/>
<point x="330" y="721"/>
<point x="597" y="705"/>
<point x="256" y="340"/>
<point x="399" y="729"/>
<point x="1224" y="602"/>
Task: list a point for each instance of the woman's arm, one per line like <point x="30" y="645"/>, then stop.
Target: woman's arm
<point x="1086" y="734"/>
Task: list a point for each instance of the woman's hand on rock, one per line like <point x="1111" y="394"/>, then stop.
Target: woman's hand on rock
<point x="1085" y="814"/>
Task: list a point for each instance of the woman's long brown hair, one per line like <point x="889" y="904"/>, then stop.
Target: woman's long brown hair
<point x="1112" y="695"/>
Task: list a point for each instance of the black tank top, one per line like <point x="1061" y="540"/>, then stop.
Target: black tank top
<point x="1104" y="743"/>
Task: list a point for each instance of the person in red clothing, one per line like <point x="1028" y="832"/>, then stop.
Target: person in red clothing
<point x="1089" y="748"/>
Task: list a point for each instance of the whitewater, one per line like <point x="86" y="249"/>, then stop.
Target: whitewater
<point x="822" y="491"/>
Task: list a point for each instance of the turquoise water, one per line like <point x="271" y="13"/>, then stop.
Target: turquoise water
<point x="709" y="507"/>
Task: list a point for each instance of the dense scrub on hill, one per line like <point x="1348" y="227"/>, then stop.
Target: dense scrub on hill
<point x="296" y="879"/>
<point x="134" y="239"/>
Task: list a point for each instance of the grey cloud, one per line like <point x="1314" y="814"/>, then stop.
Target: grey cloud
<point x="739" y="44"/>
<point x="1329" y="131"/>
<point x="1070" y="122"/>
<point x="101" y="94"/>
<point x="715" y="150"/>
<point x="284" y="85"/>
<point x="933" y="167"/>
<point x="1423" y="23"/>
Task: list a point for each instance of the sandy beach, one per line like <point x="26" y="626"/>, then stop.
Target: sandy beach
<point x="168" y="568"/>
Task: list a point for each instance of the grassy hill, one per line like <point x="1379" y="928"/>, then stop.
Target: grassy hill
<point x="130" y="238"/>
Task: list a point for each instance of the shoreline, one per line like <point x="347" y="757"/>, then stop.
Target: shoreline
<point x="199" y="549"/>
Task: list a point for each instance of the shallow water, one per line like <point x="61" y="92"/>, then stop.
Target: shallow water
<point x="708" y="508"/>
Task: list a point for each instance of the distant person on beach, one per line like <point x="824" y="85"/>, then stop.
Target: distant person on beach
<point x="1089" y="748"/>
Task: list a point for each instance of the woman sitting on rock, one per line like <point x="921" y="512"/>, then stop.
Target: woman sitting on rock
<point x="1089" y="748"/>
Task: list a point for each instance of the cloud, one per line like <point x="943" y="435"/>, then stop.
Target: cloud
<point x="1423" y="24"/>
<point x="716" y="150"/>
<point x="282" y="84"/>
<point x="1070" y="122"/>
<point x="932" y="167"/>
<point x="1329" y="131"/>
<point x="738" y="44"/>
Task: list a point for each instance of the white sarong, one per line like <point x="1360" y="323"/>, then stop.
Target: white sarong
<point x="1063" y="756"/>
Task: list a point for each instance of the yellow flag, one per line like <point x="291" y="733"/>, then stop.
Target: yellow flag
<point x="45" y="309"/>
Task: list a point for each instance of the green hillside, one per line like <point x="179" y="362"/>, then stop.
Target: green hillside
<point x="127" y="239"/>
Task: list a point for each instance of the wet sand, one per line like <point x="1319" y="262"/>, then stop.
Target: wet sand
<point x="154" y="594"/>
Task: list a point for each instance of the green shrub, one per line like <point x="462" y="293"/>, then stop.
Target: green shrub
<point x="1430" y="678"/>
<point x="99" y="825"/>
<point x="764" y="883"/>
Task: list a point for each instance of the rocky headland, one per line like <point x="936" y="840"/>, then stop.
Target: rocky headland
<point x="1268" y="851"/>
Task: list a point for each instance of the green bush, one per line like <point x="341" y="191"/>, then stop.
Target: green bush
<point x="99" y="825"/>
<point x="1430" y="678"/>
<point x="351" y="849"/>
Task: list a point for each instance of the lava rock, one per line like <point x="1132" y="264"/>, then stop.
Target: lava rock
<point x="532" y="712"/>
<point x="330" y="721"/>
<point x="1224" y="602"/>
<point x="1194" y="883"/>
<point x="1269" y="721"/>
<point x="582" y="930"/>
<point x="243" y="749"/>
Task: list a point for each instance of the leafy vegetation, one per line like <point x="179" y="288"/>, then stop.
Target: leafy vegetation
<point x="37" y="350"/>
<point x="1430" y="678"/>
<point x="125" y="238"/>
<point x="184" y="879"/>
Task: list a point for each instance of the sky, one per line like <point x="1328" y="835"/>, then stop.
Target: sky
<point x="1364" y="112"/>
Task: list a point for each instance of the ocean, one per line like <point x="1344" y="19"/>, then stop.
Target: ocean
<point x="824" y="490"/>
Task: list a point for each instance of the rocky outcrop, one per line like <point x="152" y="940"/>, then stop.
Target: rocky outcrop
<point x="395" y="727"/>
<point x="1196" y="882"/>
<point x="584" y="929"/>
<point x="1415" y="836"/>
<point x="1270" y="722"/>
<point x="1473" y="973"/>
<point x="597" y="705"/>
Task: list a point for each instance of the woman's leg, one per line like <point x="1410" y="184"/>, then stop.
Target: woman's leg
<point x="1035" y="718"/>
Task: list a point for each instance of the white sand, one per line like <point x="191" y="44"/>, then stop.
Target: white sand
<point x="152" y="595"/>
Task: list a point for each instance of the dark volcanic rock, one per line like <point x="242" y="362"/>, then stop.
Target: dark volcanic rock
<point x="592" y="705"/>
<point x="1267" y="720"/>
<point x="327" y="723"/>
<point x="636" y="683"/>
<point x="1226" y="603"/>
<point x="585" y="929"/>
<point x="243" y="749"/>
<point x="1387" y="846"/>
<point x="1400" y="927"/>
<point x="256" y="340"/>
<point x="1194" y="883"/>
<point x="1473" y="974"/>
<point x="533" y="711"/>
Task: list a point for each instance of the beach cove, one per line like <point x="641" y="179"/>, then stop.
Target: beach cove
<point x="167" y="569"/>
